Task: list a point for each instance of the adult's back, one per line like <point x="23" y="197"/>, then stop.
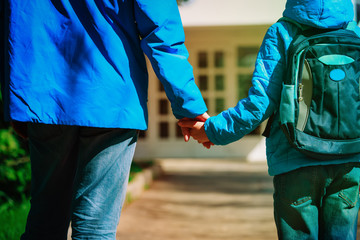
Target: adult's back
<point x="73" y="74"/>
<point x="82" y="62"/>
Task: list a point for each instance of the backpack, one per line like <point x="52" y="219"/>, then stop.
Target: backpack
<point x="320" y="100"/>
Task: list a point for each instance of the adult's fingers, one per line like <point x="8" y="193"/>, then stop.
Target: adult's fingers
<point x="189" y="124"/>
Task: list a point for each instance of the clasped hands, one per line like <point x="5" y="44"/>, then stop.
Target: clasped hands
<point x="195" y="128"/>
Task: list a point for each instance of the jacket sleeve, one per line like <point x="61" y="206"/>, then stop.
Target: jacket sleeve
<point x="162" y="40"/>
<point x="263" y="97"/>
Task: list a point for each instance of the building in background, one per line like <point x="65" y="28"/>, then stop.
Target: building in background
<point x="357" y="10"/>
<point x="223" y="38"/>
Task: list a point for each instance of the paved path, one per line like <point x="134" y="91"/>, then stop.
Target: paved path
<point x="203" y="200"/>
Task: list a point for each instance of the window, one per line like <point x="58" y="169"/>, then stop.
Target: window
<point x="163" y="129"/>
<point x="163" y="107"/>
<point x="244" y="84"/>
<point x="202" y="60"/>
<point x="203" y="82"/>
<point x="219" y="59"/>
<point x="246" y="56"/>
<point x="178" y="131"/>
<point x="161" y="87"/>
<point x="219" y="105"/>
<point x="219" y="82"/>
<point x="357" y="10"/>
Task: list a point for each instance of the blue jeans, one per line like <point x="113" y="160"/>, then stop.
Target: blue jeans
<point x="319" y="202"/>
<point x="78" y="174"/>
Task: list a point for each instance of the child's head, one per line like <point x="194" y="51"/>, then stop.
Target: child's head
<point x="320" y="13"/>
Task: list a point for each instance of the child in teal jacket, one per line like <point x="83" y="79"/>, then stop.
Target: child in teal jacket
<point x="313" y="199"/>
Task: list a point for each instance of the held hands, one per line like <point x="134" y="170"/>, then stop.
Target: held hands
<point x="195" y="128"/>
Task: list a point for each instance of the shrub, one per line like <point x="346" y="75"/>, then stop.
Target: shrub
<point x="15" y="174"/>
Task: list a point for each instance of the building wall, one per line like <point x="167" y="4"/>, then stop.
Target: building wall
<point x="223" y="62"/>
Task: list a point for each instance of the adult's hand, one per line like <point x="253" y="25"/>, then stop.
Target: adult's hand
<point x="195" y="129"/>
<point x="186" y="131"/>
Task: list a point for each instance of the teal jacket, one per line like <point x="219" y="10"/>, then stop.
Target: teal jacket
<point x="264" y="96"/>
<point x="81" y="62"/>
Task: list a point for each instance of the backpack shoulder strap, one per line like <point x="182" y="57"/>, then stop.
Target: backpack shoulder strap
<point x="270" y="121"/>
<point x="302" y="28"/>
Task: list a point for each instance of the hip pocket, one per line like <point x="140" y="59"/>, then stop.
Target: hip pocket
<point x="350" y="185"/>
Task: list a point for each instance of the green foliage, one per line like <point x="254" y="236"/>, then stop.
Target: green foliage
<point x="9" y="145"/>
<point x="13" y="221"/>
<point x="14" y="182"/>
<point x="137" y="167"/>
<point x="15" y="172"/>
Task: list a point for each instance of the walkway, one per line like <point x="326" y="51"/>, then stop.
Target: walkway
<point x="203" y="200"/>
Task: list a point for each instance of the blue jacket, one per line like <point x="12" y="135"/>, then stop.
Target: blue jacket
<point x="264" y="95"/>
<point x="81" y="62"/>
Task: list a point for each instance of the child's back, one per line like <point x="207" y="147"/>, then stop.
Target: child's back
<point x="313" y="198"/>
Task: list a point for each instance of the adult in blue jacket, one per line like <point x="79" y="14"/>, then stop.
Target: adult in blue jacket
<point x="75" y="73"/>
<point x="313" y="199"/>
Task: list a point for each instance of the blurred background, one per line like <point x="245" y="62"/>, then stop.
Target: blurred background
<point x="223" y="38"/>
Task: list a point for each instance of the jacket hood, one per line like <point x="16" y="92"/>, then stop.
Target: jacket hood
<point x="320" y="13"/>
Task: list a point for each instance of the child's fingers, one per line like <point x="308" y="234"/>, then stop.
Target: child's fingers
<point x="186" y="133"/>
<point x="207" y="144"/>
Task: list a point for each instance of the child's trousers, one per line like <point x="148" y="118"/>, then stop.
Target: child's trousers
<point x="319" y="202"/>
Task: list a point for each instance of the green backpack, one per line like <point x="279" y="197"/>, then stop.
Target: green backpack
<point x="320" y="100"/>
